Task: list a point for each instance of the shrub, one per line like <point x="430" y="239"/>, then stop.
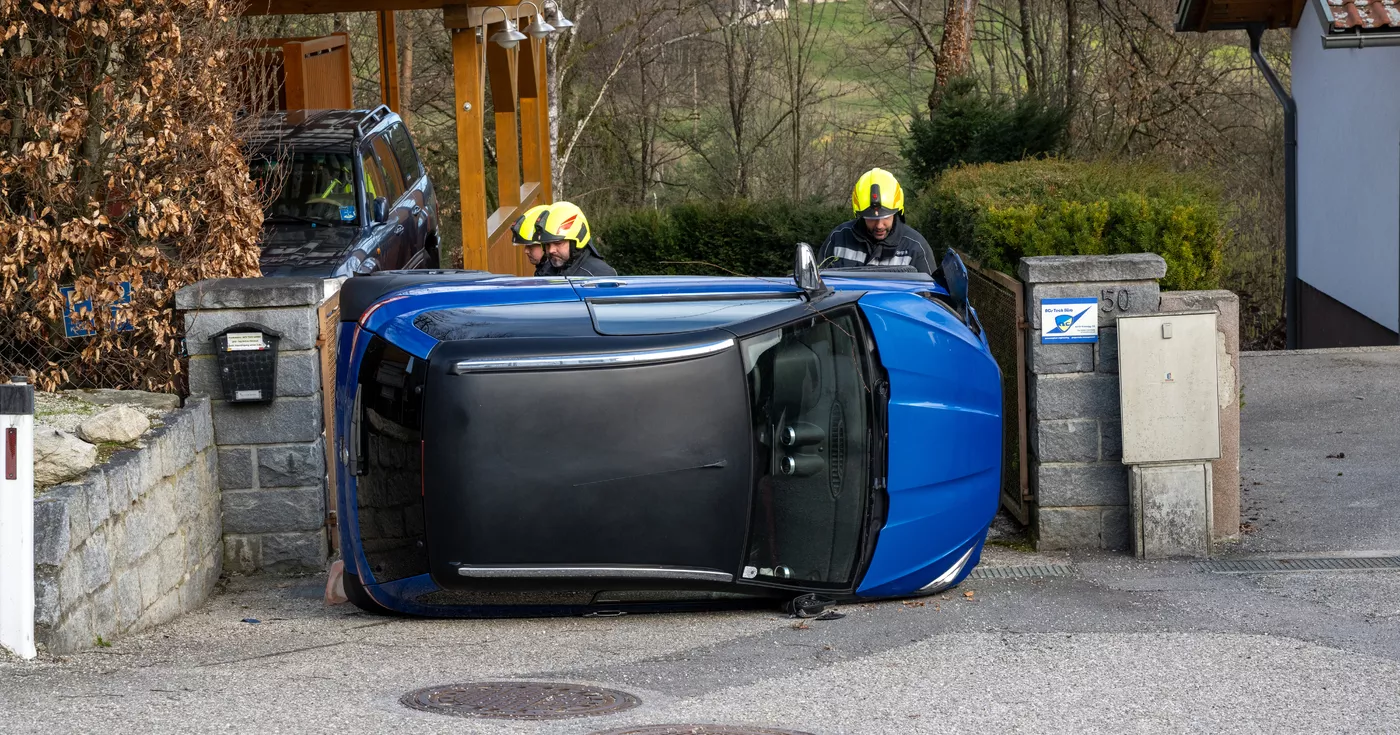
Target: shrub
<point x="119" y="164"/>
<point x="999" y="213"/>
<point x="715" y="238"/>
<point x="970" y="127"/>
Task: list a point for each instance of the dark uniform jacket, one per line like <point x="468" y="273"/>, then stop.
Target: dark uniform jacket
<point x="586" y="262"/>
<point x="850" y="246"/>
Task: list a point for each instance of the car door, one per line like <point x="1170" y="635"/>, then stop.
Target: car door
<point x="399" y="245"/>
<point x="418" y="189"/>
<point x="373" y="244"/>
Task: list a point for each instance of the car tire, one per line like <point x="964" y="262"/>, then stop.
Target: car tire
<point x="356" y="594"/>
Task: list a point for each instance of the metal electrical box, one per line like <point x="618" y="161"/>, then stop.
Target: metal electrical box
<point x="1169" y="386"/>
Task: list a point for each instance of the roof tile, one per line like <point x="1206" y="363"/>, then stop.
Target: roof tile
<point x="1348" y="14"/>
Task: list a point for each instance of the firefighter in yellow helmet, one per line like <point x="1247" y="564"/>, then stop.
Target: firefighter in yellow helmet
<point x="878" y="234"/>
<point x="558" y="241"/>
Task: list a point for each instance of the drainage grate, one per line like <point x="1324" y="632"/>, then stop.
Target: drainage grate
<point x="1332" y="564"/>
<point x="698" y="730"/>
<point x="1043" y="570"/>
<point x="519" y="700"/>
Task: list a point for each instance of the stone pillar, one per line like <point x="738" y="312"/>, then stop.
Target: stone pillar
<point x="1077" y="476"/>
<point x="272" y="471"/>
<point x="1225" y="472"/>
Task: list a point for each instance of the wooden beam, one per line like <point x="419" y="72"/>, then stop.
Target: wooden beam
<point x="322" y="7"/>
<point x="293" y="75"/>
<point x="468" y="72"/>
<point x="388" y="60"/>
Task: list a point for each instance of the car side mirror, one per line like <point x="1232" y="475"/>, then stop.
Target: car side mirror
<point x="805" y="273"/>
<point x="955" y="275"/>
<point x="380" y="210"/>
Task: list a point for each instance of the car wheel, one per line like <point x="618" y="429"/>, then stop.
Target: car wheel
<point x="356" y="594"/>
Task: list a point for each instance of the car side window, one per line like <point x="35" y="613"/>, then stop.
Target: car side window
<point x="393" y="176"/>
<point x="374" y="178"/>
<point x="409" y="162"/>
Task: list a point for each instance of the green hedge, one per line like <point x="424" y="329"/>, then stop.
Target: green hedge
<point x="736" y="237"/>
<point x="998" y="213"/>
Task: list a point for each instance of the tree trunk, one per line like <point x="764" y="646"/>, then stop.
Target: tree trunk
<point x="1071" y="60"/>
<point x="1028" y="49"/>
<point x="955" y="50"/>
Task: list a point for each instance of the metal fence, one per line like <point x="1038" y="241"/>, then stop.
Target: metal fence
<point x="59" y="363"/>
<point x="1000" y="303"/>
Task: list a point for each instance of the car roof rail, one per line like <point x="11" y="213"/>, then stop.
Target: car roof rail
<point x="372" y="120"/>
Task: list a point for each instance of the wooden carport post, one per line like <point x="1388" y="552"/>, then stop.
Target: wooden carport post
<point x="389" y="60"/>
<point x="518" y="95"/>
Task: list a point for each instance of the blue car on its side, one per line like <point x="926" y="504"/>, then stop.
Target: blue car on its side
<point x="541" y="446"/>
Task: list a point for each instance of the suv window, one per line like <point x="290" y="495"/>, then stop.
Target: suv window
<point x="309" y="186"/>
<point x="393" y="177"/>
<point x="666" y="317"/>
<point x="374" y="179"/>
<point x="407" y="157"/>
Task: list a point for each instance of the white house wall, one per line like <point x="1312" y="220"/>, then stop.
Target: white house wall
<point x="1348" y="171"/>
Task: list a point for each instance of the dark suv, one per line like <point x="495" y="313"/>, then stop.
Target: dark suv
<point x="352" y="196"/>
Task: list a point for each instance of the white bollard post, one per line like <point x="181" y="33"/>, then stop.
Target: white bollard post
<point x="17" y="517"/>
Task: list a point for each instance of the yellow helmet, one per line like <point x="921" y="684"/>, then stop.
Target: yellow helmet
<point x="546" y="223"/>
<point x="877" y="194"/>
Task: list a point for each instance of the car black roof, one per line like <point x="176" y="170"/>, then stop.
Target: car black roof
<point x="317" y="129"/>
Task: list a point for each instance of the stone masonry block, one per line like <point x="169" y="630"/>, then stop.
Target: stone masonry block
<point x="171" y="554"/>
<point x="165" y="609"/>
<point x="1116" y="298"/>
<point x="45" y="599"/>
<point x="73" y="633"/>
<point x="1074" y="396"/>
<point x="250" y="293"/>
<point x="1068" y="528"/>
<point x="274" y="510"/>
<point x="129" y="605"/>
<point x="1066" y="441"/>
<point x="1106" y="351"/>
<point x="283" y="421"/>
<point x="123" y="474"/>
<point x="1087" y="268"/>
<point x="70" y="585"/>
<point x="149" y="569"/>
<point x="1116" y="535"/>
<point x="190" y="487"/>
<point x="293" y="465"/>
<point x="236" y="469"/>
<point x="242" y="553"/>
<point x="97" y="563"/>
<point x="203" y="425"/>
<point x="1060" y="358"/>
<point x="298" y="374"/>
<point x="294" y="551"/>
<point x="1081" y="484"/>
<point x="104" y="612"/>
<point x="176" y="443"/>
<point x="296" y="325"/>
<point x="89" y="492"/>
<point x="52" y="530"/>
<point x="1111" y="440"/>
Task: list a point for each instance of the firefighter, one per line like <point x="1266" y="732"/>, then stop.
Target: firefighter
<point x="562" y="233"/>
<point x="878" y="234"/>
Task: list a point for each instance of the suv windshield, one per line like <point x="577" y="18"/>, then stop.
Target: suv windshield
<point x="808" y="391"/>
<point x="314" y="187"/>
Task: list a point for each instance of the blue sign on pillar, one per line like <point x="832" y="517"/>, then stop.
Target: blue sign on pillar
<point x="1069" y="320"/>
<point x="77" y="316"/>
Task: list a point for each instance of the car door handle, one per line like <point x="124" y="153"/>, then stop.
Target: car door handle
<point x="417" y="210"/>
<point x="398" y="229"/>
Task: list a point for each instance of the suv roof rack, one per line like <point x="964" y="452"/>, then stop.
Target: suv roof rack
<point x="370" y="121"/>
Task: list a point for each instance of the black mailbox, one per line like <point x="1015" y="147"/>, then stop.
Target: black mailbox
<point x="246" y="356"/>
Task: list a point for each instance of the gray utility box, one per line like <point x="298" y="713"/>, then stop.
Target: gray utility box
<point x="1169" y="385"/>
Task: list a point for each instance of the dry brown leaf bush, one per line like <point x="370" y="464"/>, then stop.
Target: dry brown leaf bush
<point x="119" y="162"/>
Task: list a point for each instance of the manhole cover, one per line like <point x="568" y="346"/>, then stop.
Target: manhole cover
<point x="699" y="730"/>
<point x="519" y="700"/>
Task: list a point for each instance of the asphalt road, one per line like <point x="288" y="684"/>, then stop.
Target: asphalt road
<point x="1303" y="410"/>
<point x="1120" y="646"/>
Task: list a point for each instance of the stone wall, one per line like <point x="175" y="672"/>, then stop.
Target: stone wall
<point x="272" y="468"/>
<point x="1077" y="476"/>
<point x="134" y="542"/>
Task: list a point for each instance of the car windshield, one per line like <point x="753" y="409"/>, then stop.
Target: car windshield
<point x="809" y="396"/>
<point x="653" y="316"/>
<point x="316" y="187"/>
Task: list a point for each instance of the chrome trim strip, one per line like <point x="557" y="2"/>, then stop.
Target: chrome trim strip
<point x="593" y="572"/>
<point x="942" y="581"/>
<point x="612" y="359"/>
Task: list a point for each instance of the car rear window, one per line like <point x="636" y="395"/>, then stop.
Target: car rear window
<point x="623" y="318"/>
<point x="407" y="157"/>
